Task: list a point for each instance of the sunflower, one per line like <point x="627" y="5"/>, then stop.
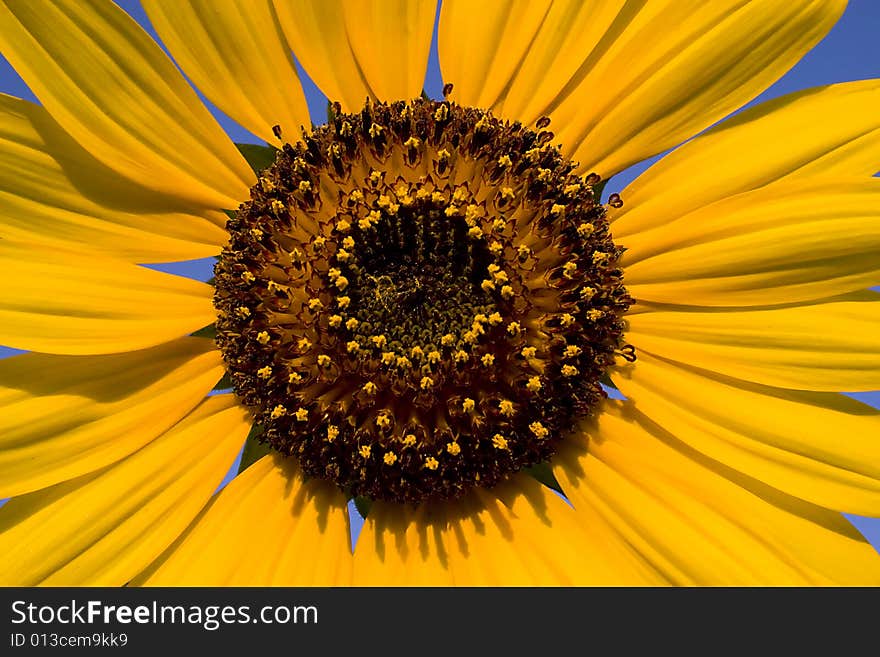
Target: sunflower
<point x="423" y="303"/>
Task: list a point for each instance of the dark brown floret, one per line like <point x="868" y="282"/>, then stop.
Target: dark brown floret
<point x="419" y="298"/>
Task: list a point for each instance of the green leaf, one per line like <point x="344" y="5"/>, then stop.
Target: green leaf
<point x="209" y="331"/>
<point x="362" y="504"/>
<point x="544" y="473"/>
<point x="259" y="157"/>
<point x="425" y="95"/>
<point x="598" y="188"/>
<point x="606" y="380"/>
<point x="254" y="449"/>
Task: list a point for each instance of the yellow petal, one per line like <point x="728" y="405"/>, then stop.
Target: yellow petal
<point x="624" y="80"/>
<point x="265" y="528"/>
<point x="66" y="302"/>
<point x="104" y="528"/>
<point x="236" y="55"/>
<point x="788" y="242"/>
<point x="702" y="523"/>
<point x="826" y="131"/>
<point x="110" y="86"/>
<point x="518" y="534"/>
<point x="354" y="49"/>
<point x="819" y="446"/>
<point x="829" y="346"/>
<point x="53" y="192"/>
<point x="64" y="416"/>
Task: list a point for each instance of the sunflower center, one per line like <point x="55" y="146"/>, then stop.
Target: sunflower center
<point x="418" y="299"/>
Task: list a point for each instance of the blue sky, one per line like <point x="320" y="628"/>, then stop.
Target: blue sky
<point x="850" y="52"/>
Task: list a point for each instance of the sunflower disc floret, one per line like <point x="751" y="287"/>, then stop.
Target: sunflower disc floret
<point x="419" y="298"/>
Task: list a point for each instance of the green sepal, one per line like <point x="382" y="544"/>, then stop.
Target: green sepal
<point x="254" y="449"/>
<point x="598" y="188"/>
<point x="225" y="383"/>
<point x="425" y="95"/>
<point x="331" y="112"/>
<point x="606" y="381"/>
<point x="544" y="473"/>
<point x="259" y="157"/>
<point x="362" y="504"/>
<point x="209" y="331"/>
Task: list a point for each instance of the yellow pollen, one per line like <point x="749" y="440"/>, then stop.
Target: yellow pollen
<point x="495" y="319"/>
<point x="324" y="360"/>
<point x="476" y="232"/>
<point x="369" y="387"/>
<point x="565" y="319"/>
<point x="434" y="357"/>
<point x="263" y="337"/>
<point x="348" y="242"/>
<point x="301" y="415"/>
<point x="571" y="351"/>
<point x="403" y="362"/>
<point x="333" y="273"/>
<point x="507" y="193"/>
<point x="431" y="463"/>
<point x="507" y="292"/>
<point x="506" y="408"/>
<point x="514" y="328"/>
<point x="528" y="352"/>
<point x="557" y="208"/>
<point x="342" y="255"/>
<point x="294" y="377"/>
<point x="437" y="197"/>
<point x="498" y="225"/>
<point x="364" y="451"/>
<point x="388" y="357"/>
<point x="243" y="311"/>
<point x="383" y="421"/>
<point x="534" y="384"/>
<point x="468" y="405"/>
<point x="487" y="285"/>
<point x="585" y="229"/>
<point x="341" y="282"/>
<point x="417" y="352"/>
<point x="264" y="372"/>
<point x="453" y="448"/>
<point x="375" y="131"/>
<point x="569" y="370"/>
<point x="460" y="356"/>
<point x="493" y="268"/>
<point x="304" y="344"/>
<point x="574" y="188"/>
<point x="441" y="113"/>
<point x="487" y="360"/>
<point x="315" y="304"/>
<point x="544" y="174"/>
<point x="473" y="212"/>
<point x="426" y="383"/>
<point x="343" y="302"/>
<point x="447" y="340"/>
<point x="539" y="430"/>
<point x="277" y="206"/>
<point x="569" y="269"/>
<point x="379" y="340"/>
<point x="499" y="441"/>
<point x="505" y="161"/>
<point x="248" y="277"/>
<point x="594" y="314"/>
<point x="390" y="458"/>
<point x="523" y="251"/>
<point x="352" y="346"/>
<point x="495" y="247"/>
<point x="343" y="226"/>
<point x="351" y="324"/>
<point x="357" y="195"/>
<point x="412" y="142"/>
<point x="335" y="321"/>
<point x="500" y="277"/>
<point x="266" y="184"/>
<point x="305" y="186"/>
<point x="278" y="411"/>
<point x="409" y="440"/>
<point x="332" y="432"/>
<point x="256" y="232"/>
